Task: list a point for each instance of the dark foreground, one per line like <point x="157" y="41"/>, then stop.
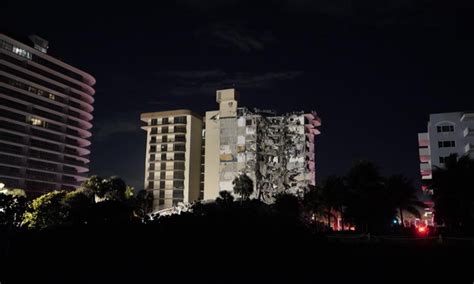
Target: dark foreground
<point x="137" y="254"/>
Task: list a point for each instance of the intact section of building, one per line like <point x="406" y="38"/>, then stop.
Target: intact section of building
<point x="448" y="133"/>
<point x="275" y="151"/>
<point x="45" y="118"/>
<point x="173" y="156"/>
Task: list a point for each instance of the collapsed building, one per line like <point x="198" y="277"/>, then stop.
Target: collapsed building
<point x="275" y="151"/>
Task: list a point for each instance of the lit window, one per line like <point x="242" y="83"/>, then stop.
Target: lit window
<point x="21" y="52"/>
<point x="51" y="96"/>
<point x="37" y="122"/>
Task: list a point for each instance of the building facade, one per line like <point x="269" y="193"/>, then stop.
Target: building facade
<point x="275" y="151"/>
<point x="448" y="133"/>
<point x="173" y="156"/>
<point x="45" y="118"/>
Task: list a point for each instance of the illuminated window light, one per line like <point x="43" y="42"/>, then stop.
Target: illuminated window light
<point x="51" y="96"/>
<point x="36" y="121"/>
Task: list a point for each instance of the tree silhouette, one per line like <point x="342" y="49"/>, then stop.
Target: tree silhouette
<point x="368" y="203"/>
<point x="453" y="193"/>
<point x="143" y="203"/>
<point x="333" y="194"/>
<point x="243" y="186"/>
<point x="225" y="198"/>
<point x="403" y="196"/>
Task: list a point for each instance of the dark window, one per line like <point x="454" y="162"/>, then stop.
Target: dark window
<point x="152" y="149"/>
<point x="152" y="167"/>
<point x="153" y="139"/>
<point x="178" y="174"/>
<point x="154" y="121"/>
<point x="180" y="129"/>
<point x="178" y="184"/>
<point x="150" y="185"/>
<point x="152" y="157"/>
<point x="164" y="138"/>
<point x="248" y="122"/>
<point x="164" y="129"/>
<point x="180" y="138"/>
<point x="164" y="147"/>
<point x="179" y="147"/>
<point x="179" y="156"/>
<point x="165" y="120"/>
<point x="162" y="184"/>
<point x="162" y="194"/>
<point x="178" y="194"/>
<point x="179" y="165"/>
<point x="163" y="157"/>
<point x="162" y="175"/>
<point x="446" y="144"/>
<point x="154" y="130"/>
<point x="445" y="128"/>
<point x="180" y="119"/>
<point x="162" y="202"/>
<point x="163" y="166"/>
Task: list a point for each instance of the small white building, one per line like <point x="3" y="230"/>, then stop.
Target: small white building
<point x="448" y="133"/>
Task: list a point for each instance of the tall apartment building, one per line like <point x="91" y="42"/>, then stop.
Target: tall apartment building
<point x="448" y="133"/>
<point x="275" y="151"/>
<point x="45" y="118"/>
<point x="173" y="156"/>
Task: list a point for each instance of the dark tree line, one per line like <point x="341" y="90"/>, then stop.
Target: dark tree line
<point x="453" y="194"/>
<point x="363" y="198"/>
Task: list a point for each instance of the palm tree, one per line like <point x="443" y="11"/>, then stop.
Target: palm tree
<point x="453" y="192"/>
<point x="243" y="186"/>
<point x="333" y="195"/>
<point x="403" y="197"/>
<point x="367" y="197"/>
<point x="225" y="198"/>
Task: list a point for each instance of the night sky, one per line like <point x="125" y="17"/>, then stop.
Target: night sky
<point x="373" y="70"/>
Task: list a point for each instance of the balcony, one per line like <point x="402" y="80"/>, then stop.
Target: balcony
<point x="467" y="116"/>
<point x="423" y="139"/>
<point x="468" y="132"/>
<point x="425" y="170"/>
<point x="469" y="148"/>
<point x="425" y="155"/>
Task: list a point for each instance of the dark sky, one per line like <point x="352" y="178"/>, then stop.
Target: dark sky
<point x="373" y="70"/>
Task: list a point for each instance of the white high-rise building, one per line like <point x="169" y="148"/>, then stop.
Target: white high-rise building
<point x="448" y="133"/>
<point x="173" y="156"/>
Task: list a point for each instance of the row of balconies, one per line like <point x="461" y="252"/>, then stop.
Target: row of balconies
<point x="62" y="107"/>
<point x="40" y="154"/>
<point x="21" y="117"/>
<point x="37" y="175"/>
<point x="166" y="130"/>
<point x="60" y="144"/>
<point x="49" y="75"/>
<point x="35" y="164"/>
<point x="168" y="121"/>
<point x="67" y="90"/>
<point x="175" y="148"/>
<point x="164" y="139"/>
<point x="176" y="166"/>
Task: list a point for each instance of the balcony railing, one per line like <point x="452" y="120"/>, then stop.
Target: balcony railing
<point x="468" y="132"/>
<point x="423" y="139"/>
<point x="425" y="154"/>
